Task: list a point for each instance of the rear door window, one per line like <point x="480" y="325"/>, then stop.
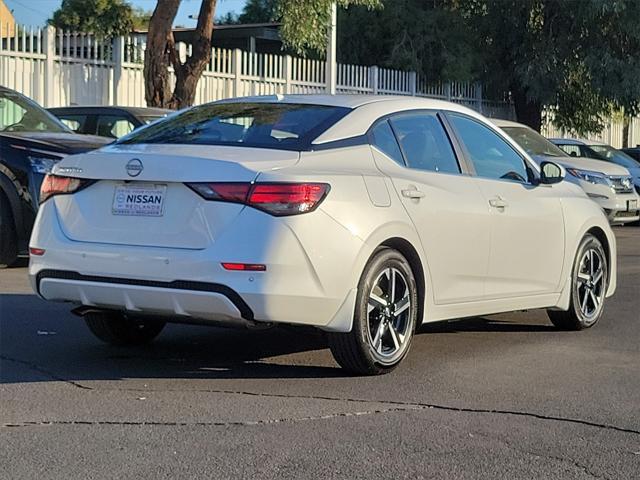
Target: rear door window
<point x="425" y="143"/>
<point x="383" y="139"/>
<point x="114" y="126"/>
<point x="77" y="123"/>
<point x="572" y="150"/>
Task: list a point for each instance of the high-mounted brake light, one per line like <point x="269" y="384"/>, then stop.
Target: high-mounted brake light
<point x="55" y="185"/>
<point x="277" y="199"/>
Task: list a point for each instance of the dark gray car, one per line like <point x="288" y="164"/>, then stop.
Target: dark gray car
<point x="110" y="122"/>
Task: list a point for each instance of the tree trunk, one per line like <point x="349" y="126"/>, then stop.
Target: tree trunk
<point x="160" y="46"/>
<point x="161" y="53"/>
<point x="626" y="123"/>
<point x="527" y="111"/>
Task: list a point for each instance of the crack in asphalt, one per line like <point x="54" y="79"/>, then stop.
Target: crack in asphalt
<point x="398" y="405"/>
<point x="245" y="423"/>
<point x="41" y="370"/>
<point x="568" y="460"/>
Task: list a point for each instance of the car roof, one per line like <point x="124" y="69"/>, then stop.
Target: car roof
<point x="142" y="111"/>
<point x="344" y="100"/>
<point x="576" y="141"/>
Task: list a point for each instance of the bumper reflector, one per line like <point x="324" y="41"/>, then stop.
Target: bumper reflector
<point x="244" y="267"/>
<point x="38" y="252"/>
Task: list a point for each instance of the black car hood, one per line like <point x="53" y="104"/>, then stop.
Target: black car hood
<point x="67" y="143"/>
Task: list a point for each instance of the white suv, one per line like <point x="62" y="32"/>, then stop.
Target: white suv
<point x="608" y="184"/>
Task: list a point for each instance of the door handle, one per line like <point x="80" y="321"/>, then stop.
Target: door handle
<point x="412" y="193"/>
<point x="498" y="202"/>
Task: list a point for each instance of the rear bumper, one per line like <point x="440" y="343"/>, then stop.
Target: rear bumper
<point x="184" y="300"/>
<point x="306" y="281"/>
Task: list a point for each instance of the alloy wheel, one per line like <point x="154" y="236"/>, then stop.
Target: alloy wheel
<point x="591" y="283"/>
<point x="388" y="315"/>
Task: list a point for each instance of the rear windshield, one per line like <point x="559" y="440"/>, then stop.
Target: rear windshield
<point x="286" y="126"/>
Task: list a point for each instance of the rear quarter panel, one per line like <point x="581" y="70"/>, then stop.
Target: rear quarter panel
<point x="362" y="216"/>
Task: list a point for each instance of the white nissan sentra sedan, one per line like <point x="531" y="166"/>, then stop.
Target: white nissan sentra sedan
<point x="364" y="216"/>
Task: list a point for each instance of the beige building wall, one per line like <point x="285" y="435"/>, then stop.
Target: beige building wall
<point x="7" y="22"/>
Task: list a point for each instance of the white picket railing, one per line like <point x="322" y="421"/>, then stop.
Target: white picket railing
<point x="59" y="68"/>
<point x="612" y="133"/>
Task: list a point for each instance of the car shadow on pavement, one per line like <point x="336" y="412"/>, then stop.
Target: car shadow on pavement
<point x="483" y="324"/>
<point x="40" y="342"/>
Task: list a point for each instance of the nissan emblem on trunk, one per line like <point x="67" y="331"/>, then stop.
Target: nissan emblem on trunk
<point x="134" y="167"/>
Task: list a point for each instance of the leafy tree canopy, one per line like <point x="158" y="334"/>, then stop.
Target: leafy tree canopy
<point x="258" y="11"/>
<point x="582" y="56"/>
<point x="305" y="23"/>
<point x="428" y="37"/>
<point x="141" y="18"/>
<point x="106" y="18"/>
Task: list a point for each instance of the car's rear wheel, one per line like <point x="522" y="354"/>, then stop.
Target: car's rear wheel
<point x="384" y="320"/>
<point x="589" y="284"/>
<point x="8" y="237"/>
<point x="119" y="329"/>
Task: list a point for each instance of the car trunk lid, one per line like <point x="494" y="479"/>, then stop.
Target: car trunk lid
<point x="140" y="197"/>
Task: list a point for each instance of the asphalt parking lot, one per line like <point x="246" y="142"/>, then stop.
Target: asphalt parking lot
<point x="504" y="396"/>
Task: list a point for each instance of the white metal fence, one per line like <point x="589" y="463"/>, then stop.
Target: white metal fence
<point x="612" y="133"/>
<point x="59" y="68"/>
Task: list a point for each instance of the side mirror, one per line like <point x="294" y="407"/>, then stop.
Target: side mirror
<point x="551" y="173"/>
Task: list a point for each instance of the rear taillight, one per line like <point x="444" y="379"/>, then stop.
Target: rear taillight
<point x="226" y="192"/>
<point x="55" y="185"/>
<point x="277" y="199"/>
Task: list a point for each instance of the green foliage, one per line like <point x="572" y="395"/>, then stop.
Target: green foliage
<point x="581" y="55"/>
<point x="258" y="11"/>
<point x="229" y="19"/>
<point x="105" y="18"/>
<point x="305" y="22"/>
<point x="427" y="37"/>
<point x="141" y="18"/>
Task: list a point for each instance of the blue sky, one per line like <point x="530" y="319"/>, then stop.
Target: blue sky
<point x="36" y="12"/>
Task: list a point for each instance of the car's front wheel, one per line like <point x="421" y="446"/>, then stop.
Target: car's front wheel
<point x="589" y="282"/>
<point x="384" y="320"/>
<point x="119" y="329"/>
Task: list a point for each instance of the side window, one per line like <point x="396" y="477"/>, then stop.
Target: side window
<point x="113" y="126"/>
<point x="74" y="122"/>
<point x="10" y="113"/>
<point x="425" y="143"/>
<point x="385" y="141"/>
<point x="572" y="150"/>
<point x="492" y="156"/>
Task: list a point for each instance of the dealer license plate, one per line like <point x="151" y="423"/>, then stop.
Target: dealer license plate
<point x="139" y="200"/>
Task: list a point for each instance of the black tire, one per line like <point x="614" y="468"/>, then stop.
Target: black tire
<point x="355" y="351"/>
<point x="8" y="236"/>
<point x="586" y="294"/>
<point x="119" y="329"/>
